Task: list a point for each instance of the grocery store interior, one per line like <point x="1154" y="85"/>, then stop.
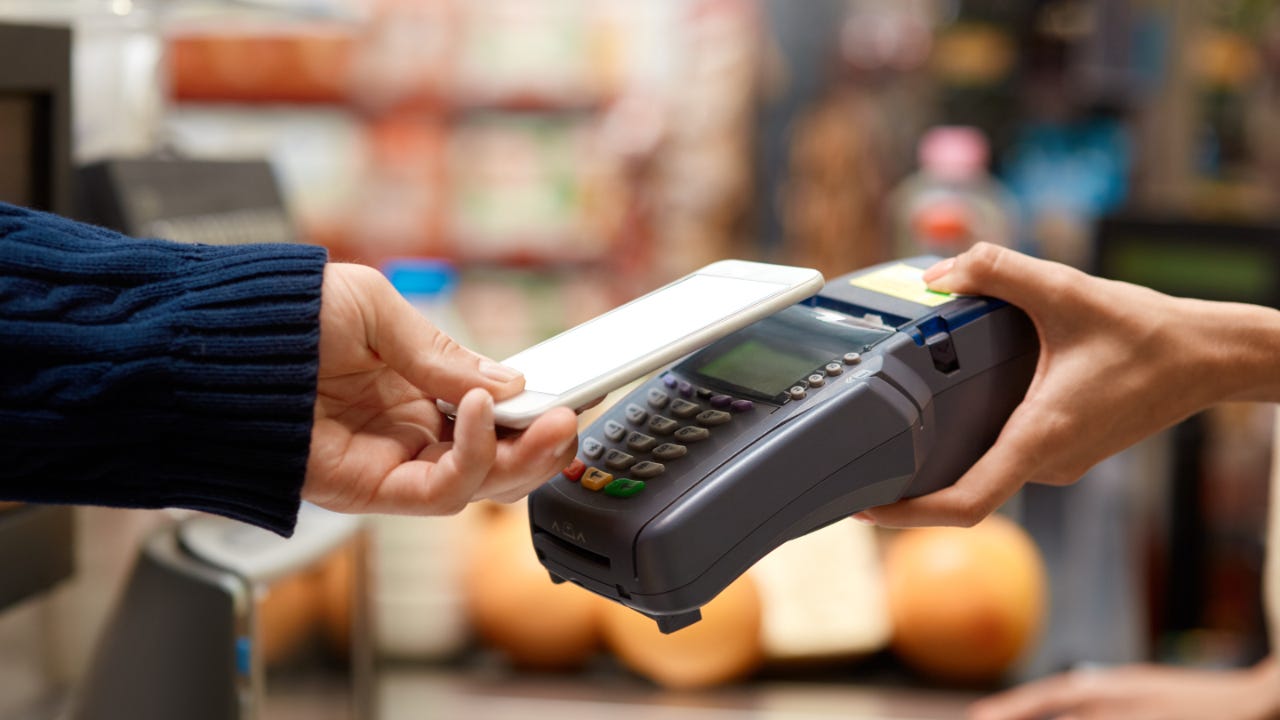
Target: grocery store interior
<point x="517" y="167"/>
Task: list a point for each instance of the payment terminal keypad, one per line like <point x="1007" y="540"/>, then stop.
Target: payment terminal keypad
<point x="614" y="430"/>
<point x="596" y="479"/>
<point x="692" y="434"/>
<point x="636" y="414"/>
<point x="592" y="448"/>
<point x="624" y="487"/>
<point x="662" y="425"/>
<point x="618" y="460"/>
<point x="640" y="442"/>
<point x="669" y="451"/>
<point x="658" y="399"/>
<point x="685" y="409"/>
<point x="711" y="418"/>
<point x="648" y="469"/>
<point x="636" y="442"/>
<point x="575" y="469"/>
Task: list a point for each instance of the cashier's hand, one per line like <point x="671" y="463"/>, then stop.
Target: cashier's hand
<point x="379" y="444"/>
<point x="1117" y="363"/>
<point x="1142" y="692"/>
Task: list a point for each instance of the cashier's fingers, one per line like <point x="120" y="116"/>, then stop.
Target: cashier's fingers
<point x="445" y="477"/>
<point x="1059" y="696"/>
<point x="1011" y="462"/>
<point x="528" y="461"/>
<point x="987" y="269"/>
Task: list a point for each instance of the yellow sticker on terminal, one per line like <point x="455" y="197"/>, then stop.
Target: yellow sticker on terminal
<point x="904" y="282"/>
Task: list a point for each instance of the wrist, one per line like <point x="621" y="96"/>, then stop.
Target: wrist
<point x="1243" y="348"/>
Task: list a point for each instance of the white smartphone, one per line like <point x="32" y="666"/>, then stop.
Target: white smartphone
<point x="586" y="362"/>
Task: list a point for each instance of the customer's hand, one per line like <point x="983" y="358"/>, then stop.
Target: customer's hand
<point x="379" y="443"/>
<point x="1141" y="692"/>
<point x="1117" y="363"/>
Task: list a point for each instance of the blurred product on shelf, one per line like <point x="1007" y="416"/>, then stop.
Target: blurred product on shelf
<point x="293" y="63"/>
<point x="822" y="597"/>
<point x="507" y="309"/>
<point x="723" y="648"/>
<point x="515" y="607"/>
<point x="1065" y="176"/>
<point x="966" y="603"/>
<point x="515" y="191"/>
<point x="431" y="286"/>
<point x="833" y="197"/>
<point x="703" y="176"/>
<point x="403" y="60"/>
<point x="951" y="202"/>
<point x="1233" y="506"/>
<point x="878" y="36"/>
<point x="974" y="54"/>
<point x="399" y="205"/>
<point x="534" y="55"/>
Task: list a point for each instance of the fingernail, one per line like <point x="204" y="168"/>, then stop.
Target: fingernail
<point x="486" y="409"/>
<point x="564" y="448"/>
<point x="939" y="270"/>
<point x="864" y="518"/>
<point x="498" y="371"/>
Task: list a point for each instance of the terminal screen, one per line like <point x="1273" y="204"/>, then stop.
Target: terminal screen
<point x="763" y="367"/>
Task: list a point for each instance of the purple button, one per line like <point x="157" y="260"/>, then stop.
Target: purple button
<point x="685" y="388"/>
<point x="720" y="401"/>
<point x="741" y="405"/>
<point x="669" y="380"/>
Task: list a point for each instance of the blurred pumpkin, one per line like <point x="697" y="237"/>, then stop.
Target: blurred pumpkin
<point x="336" y="584"/>
<point x="724" y="646"/>
<point x="287" y="613"/>
<point x="965" y="603"/>
<point x="516" y="608"/>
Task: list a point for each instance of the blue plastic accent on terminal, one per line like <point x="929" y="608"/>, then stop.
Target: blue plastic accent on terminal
<point x="952" y="317"/>
<point x="968" y="312"/>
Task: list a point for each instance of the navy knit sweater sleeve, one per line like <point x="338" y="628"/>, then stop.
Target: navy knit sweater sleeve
<point x="145" y="373"/>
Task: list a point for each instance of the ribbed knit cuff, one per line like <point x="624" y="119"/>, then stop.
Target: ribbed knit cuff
<point x="154" y="374"/>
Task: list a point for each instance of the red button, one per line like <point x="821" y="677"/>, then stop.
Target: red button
<point x="575" y="470"/>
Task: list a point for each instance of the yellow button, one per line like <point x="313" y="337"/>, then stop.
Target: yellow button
<point x="595" y="479"/>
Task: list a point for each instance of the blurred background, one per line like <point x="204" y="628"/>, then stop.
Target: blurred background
<point x="519" y="166"/>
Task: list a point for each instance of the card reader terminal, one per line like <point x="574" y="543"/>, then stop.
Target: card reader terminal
<point x="873" y="390"/>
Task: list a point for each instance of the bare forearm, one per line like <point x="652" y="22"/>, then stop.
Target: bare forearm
<point x="1244" y="347"/>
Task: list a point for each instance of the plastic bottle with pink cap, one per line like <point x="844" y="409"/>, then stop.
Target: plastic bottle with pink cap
<point x="951" y="202"/>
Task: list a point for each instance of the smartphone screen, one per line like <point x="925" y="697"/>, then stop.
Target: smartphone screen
<point x="605" y="344"/>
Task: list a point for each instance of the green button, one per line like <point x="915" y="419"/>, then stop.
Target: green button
<point x="624" y="487"/>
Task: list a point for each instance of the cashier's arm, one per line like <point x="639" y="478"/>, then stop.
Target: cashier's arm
<point x="379" y="444"/>
<point x="1117" y="363"/>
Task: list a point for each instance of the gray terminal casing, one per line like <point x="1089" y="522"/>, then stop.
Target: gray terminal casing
<point x="927" y="395"/>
